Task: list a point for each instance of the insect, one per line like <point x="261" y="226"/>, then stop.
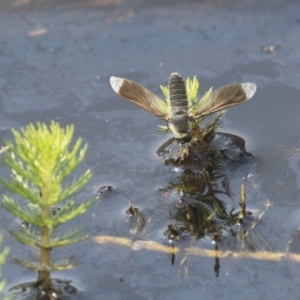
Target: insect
<point x="179" y="111"/>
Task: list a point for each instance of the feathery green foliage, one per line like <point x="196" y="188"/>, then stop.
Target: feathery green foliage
<point x="3" y="256"/>
<point x="192" y="87"/>
<point x="40" y="160"/>
<point x="165" y="90"/>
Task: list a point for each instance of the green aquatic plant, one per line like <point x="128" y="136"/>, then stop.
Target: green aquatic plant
<point x="3" y="256"/>
<point x="41" y="159"/>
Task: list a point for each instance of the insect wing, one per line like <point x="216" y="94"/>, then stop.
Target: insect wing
<point x="166" y="146"/>
<point x="139" y="95"/>
<point x="223" y="97"/>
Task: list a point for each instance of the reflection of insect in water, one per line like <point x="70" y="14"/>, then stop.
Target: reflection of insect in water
<point x="104" y="189"/>
<point x="178" y="110"/>
<point x="134" y="212"/>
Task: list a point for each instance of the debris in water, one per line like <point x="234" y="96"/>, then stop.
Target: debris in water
<point x="270" y="48"/>
<point x="104" y="189"/>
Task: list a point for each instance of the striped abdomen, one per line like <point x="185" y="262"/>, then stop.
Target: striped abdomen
<point x="179" y="108"/>
<point x="177" y="93"/>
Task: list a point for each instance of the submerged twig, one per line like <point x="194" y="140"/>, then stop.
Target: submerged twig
<point x="3" y="149"/>
<point x="243" y="201"/>
<point x="197" y="251"/>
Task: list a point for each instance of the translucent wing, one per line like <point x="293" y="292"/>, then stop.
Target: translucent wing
<point x="139" y="95"/>
<point x="223" y="97"/>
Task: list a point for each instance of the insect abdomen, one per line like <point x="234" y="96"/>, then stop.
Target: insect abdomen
<point x="177" y="94"/>
<point x="179" y="120"/>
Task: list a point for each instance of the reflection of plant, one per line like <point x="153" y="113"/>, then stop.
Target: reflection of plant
<point x="194" y="218"/>
<point x="205" y="182"/>
<point x="40" y="162"/>
<point x="3" y="256"/>
<point x="205" y="216"/>
<point x="200" y="211"/>
<point x="190" y="182"/>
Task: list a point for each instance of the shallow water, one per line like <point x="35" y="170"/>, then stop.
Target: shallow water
<point x="64" y="72"/>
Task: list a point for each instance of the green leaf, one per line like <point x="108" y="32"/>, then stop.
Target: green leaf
<point x="69" y="238"/>
<point x="192" y="87"/>
<point x="38" y="267"/>
<point x="165" y="90"/>
<point x="203" y="100"/>
<point x="25" y="238"/>
<point x="71" y="213"/>
<point x="21" y="212"/>
<point x="3" y="257"/>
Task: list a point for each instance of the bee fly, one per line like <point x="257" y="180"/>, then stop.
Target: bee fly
<point x="178" y="110"/>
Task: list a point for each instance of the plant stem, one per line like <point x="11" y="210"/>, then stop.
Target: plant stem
<point x="44" y="275"/>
